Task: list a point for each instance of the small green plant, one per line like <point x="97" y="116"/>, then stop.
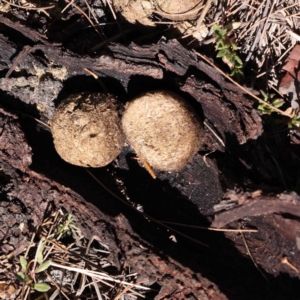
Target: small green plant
<point x="227" y="51"/>
<point x="64" y="229"/>
<point x="295" y="121"/>
<point x="277" y="103"/>
<point x="270" y="98"/>
<point x="29" y="277"/>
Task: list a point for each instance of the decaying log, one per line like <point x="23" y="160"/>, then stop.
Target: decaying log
<point x="36" y="180"/>
<point x="182" y="269"/>
<point x="216" y="95"/>
<point x="30" y="196"/>
<point x="206" y="85"/>
<point x="282" y="204"/>
<point x="277" y="220"/>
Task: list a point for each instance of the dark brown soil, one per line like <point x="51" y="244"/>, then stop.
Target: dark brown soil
<point x="256" y="166"/>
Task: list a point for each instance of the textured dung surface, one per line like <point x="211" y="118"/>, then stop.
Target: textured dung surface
<point x="86" y="130"/>
<point x="135" y="11"/>
<point x="177" y="7"/>
<point x="140" y="11"/>
<point x="163" y="129"/>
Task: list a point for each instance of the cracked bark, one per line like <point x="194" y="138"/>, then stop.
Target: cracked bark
<point x="35" y="180"/>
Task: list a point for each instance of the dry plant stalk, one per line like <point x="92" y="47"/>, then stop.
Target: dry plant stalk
<point x="69" y="271"/>
<point x="263" y="34"/>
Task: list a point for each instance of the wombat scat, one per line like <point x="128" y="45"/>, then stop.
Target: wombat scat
<point x="163" y="129"/>
<point x="86" y="130"/>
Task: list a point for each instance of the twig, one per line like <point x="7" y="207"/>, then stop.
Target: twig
<point x="29" y="8"/>
<point x="285" y="261"/>
<point x="210" y="228"/>
<point x="87" y="17"/>
<point x="111" y="39"/>
<point x="252" y="258"/>
<point x="97" y="78"/>
<point x="203" y="14"/>
<point x="213" y="132"/>
<point x="142" y="213"/>
<point x="118" y="296"/>
<point x="98" y="275"/>
<point x="26" y="50"/>
<point x="147" y="166"/>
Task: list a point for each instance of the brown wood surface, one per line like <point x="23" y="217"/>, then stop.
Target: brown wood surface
<point x="35" y="180"/>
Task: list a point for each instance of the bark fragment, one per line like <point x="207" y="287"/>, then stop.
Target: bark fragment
<point x="276" y="219"/>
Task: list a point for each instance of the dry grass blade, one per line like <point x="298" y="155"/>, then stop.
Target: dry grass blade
<point x="211" y="228"/>
<point x="104" y="277"/>
<point x="147" y="167"/>
<point x="97" y="289"/>
<point x="203" y="14"/>
<point x="264" y="35"/>
<point x="111" y="39"/>
<point x="126" y="290"/>
<point x="214" y="133"/>
<point x="145" y="215"/>
<point x="66" y="269"/>
<point x="29" y="7"/>
<point x="87" y="17"/>
<point x="251" y="256"/>
<point x="111" y="8"/>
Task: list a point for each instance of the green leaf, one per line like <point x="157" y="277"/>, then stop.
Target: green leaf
<point x="271" y="96"/>
<point x="221" y="53"/>
<point x="222" y="32"/>
<point x="277" y="103"/>
<point x="234" y="46"/>
<point x="28" y="280"/>
<point x="225" y="46"/>
<point x="231" y="55"/>
<point x="20" y="276"/>
<point x="23" y="262"/>
<point x="264" y="94"/>
<point x="216" y="28"/>
<point x="219" y="45"/>
<point x="233" y="73"/>
<point x="61" y="228"/>
<point x="295" y="122"/>
<point x="44" y="266"/>
<point x="238" y="60"/>
<point x="264" y="109"/>
<point x="239" y="67"/>
<point x="74" y="227"/>
<point x="70" y="218"/>
<point x="41" y="287"/>
<point x="238" y="72"/>
<point x="219" y="33"/>
<point x="40" y="257"/>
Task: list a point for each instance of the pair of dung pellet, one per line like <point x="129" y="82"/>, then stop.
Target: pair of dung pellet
<point x="160" y="126"/>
